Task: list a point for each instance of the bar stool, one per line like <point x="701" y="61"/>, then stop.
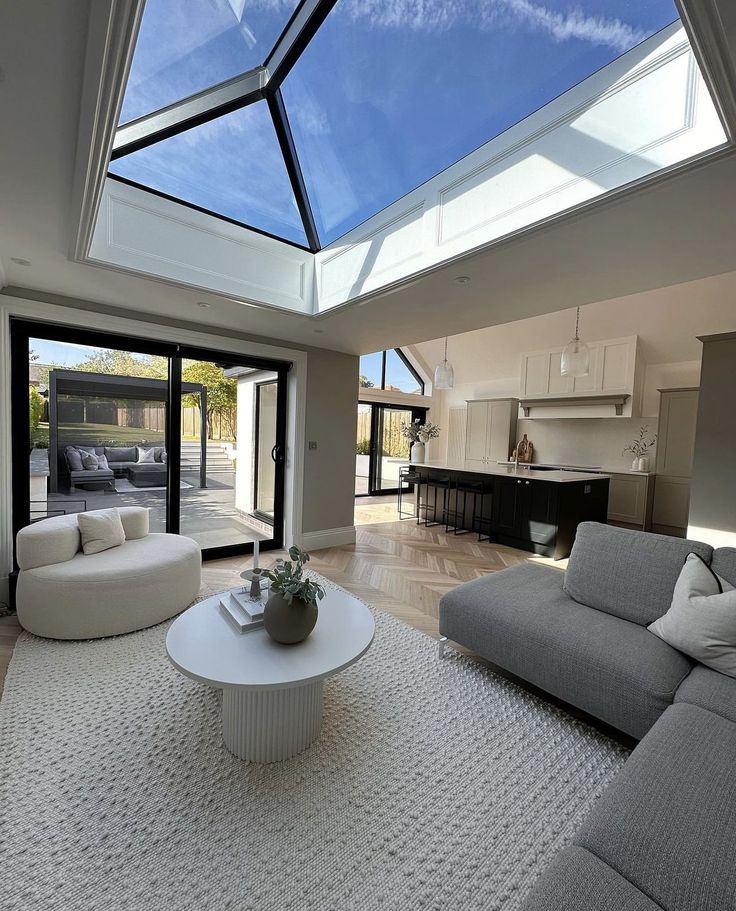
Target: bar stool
<point x="407" y="475"/>
<point x="436" y="482"/>
<point x="485" y="513"/>
<point x="455" y="518"/>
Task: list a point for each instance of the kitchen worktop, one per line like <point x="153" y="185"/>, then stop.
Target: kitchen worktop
<point x="602" y="469"/>
<point x="509" y="471"/>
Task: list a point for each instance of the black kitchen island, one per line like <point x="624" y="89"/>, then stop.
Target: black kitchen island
<point x="537" y="511"/>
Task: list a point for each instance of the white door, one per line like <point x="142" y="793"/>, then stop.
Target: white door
<point x="476" y="436"/>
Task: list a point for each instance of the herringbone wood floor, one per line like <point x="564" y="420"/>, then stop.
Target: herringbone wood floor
<point x="399" y="567"/>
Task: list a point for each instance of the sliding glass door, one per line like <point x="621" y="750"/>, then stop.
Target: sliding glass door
<point x="381" y="448"/>
<point x="195" y="437"/>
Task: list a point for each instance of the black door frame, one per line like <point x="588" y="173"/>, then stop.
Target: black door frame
<point x="258" y="512"/>
<point x="21" y="331"/>
<point x="377" y="409"/>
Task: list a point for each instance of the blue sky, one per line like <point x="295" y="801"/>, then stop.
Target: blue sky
<point x="388" y="94"/>
<point x="60" y="354"/>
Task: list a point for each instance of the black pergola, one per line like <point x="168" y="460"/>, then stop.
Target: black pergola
<point x="110" y="386"/>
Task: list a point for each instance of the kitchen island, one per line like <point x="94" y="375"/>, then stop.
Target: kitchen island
<point x="538" y="511"/>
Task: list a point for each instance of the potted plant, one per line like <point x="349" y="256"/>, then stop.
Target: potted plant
<point x="290" y="613"/>
<point x="639" y="449"/>
<point x="418" y="435"/>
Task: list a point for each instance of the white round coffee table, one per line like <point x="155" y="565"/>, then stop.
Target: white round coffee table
<point x="271" y="693"/>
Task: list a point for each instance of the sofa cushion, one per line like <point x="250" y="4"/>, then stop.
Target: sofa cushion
<point x="710" y="690"/>
<point x="630" y="574"/>
<point x="97" y="474"/>
<point x="702" y="619"/>
<point x="136" y="520"/>
<point x="121" y="453"/>
<point x="90" y="461"/>
<point x="667" y="823"/>
<point x="577" y="880"/>
<point x="100" y="529"/>
<point x="724" y="563"/>
<point x="158" y="453"/>
<point x="73" y="458"/>
<point x="522" y="620"/>
<point x="146" y="455"/>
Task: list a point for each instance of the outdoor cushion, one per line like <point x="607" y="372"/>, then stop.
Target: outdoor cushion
<point x="102" y="460"/>
<point x="158" y="453"/>
<point x="97" y="474"/>
<point x="577" y="880"/>
<point x="710" y="690"/>
<point x="667" y="822"/>
<point x="100" y="529"/>
<point x="73" y="458"/>
<point x="702" y="619"/>
<point x="629" y="574"/>
<point x="724" y="563"/>
<point x="522" y="620"/>
<point x="90" y="461"/>
<point x="121" y="453"/>
<point x="145" y="455"/>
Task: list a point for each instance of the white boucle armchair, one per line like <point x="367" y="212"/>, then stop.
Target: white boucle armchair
<point x="64" y="594"/>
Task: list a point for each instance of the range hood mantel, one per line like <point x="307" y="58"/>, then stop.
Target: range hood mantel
<point x="617" y="401"/>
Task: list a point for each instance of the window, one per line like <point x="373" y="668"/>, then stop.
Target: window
<point x="364" y="102"/>
<point x="391" y="371"/>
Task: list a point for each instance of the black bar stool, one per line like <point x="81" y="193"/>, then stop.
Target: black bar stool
<point x="436" y="482"/>
<point x="486" y="509"/>
<point x="455" y="517"/>
<point x="407" y="475"/>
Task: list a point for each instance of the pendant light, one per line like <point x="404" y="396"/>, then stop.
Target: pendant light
<point x="444" y="375"/>
<point x="575" y="359"/>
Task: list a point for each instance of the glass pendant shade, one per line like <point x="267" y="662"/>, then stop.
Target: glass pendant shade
<point x="444" y="375"/>
<point x="575" y="360"/>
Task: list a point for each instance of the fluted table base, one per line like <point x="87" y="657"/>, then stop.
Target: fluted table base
<point x="269" y="725"/>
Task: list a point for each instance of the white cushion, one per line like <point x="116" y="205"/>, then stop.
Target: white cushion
<point x="146" y="455"/>
<point x="135" y="521"/>
<point x="100" y="529"/>
<point x="90" y="461"/>
<point x="702" y="619"/>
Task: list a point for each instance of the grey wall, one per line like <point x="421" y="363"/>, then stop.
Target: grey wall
<point x="713" y="486"/>
<point x="329" y="471"/>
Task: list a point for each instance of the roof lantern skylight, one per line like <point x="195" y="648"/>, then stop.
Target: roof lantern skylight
<point x="303" y="119"/>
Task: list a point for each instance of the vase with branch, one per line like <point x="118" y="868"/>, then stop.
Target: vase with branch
<point x="639" y="447"/>
<point x="419" y="435"/>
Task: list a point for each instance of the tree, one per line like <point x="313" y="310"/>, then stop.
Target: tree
<point x="365" y="383"/>
<point x="122" y="363"/>
<point x="222" y="392"/>
<point x="35" y="409"/>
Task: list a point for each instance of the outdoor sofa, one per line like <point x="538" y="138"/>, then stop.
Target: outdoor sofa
<point x="663" y="836"/>
<point x="122" y="463"/>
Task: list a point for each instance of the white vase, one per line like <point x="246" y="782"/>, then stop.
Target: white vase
<point x="417" y="452"/>
<point x="635" y="465"/>
<point x="644" y="463"/>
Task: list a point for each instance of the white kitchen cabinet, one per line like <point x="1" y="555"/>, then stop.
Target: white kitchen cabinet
<point x="671" y="505"/>
<point x="629" y="499"/>
<point x="490" y="432"/>
<point x="615" y="369"/>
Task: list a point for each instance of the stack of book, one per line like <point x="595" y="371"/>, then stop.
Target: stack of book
<point x="243" y="613"/>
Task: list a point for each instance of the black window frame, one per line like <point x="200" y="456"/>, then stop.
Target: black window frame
<point x="409" y="366"/>
<point x="23" y="330"/>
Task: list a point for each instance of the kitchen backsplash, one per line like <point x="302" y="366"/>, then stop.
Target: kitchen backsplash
<point x="585" y="441"/>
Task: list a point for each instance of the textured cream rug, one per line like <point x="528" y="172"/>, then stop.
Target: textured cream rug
<point x="434" y="785"/>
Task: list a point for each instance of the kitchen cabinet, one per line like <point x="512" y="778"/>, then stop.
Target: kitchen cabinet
<point x="629" y="499"/>
<point x="615" y="368"/>
<point x="490" y="431"/>
<point x="678" y="411"/>
<point x="526" y="508"/>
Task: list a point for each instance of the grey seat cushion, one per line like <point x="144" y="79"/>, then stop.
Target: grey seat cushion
<point x="95" y="474"/>
<point x="576" y="880"/>
<point x="121" y="453"/>
<point x="724" y="563"/>
<point x="522" y="620"/>
<point x="667" y="823"/>
<point x="710" y="690"/>
<point x="630" y="574"/>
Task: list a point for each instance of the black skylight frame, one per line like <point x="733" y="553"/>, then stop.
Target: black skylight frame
<point x="260" y="84"/>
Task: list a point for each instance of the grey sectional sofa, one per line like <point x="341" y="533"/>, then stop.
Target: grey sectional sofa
<point x="664" y="834"/>
<point x="122" y="462"/>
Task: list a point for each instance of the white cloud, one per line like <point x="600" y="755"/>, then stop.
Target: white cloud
<point x="441" y="15"/>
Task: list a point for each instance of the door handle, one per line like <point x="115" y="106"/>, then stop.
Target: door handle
<point x="276" y="453"/>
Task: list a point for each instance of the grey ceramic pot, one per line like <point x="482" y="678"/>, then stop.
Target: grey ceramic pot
<point x="289" y="623"/>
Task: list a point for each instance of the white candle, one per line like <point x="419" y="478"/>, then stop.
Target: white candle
<point x="255" y="554"/>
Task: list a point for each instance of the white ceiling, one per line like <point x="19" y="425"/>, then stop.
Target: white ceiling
<point x="668" y="322"/>
<point x="668" y="233"/>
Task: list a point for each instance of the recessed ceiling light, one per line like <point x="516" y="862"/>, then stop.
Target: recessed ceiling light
<point x="462" y="280"/>
<point x="19" y="261"/>
<point x="203" y="304"/>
